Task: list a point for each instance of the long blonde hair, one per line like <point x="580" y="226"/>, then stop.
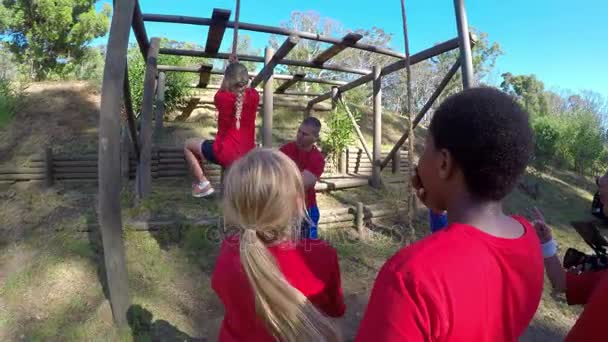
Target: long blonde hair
<point x="236" y="78"/>
<point x="264" y="200"/>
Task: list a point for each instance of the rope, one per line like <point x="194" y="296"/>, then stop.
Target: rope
<point x="235" y="38"/>
<point x="411" y="199"/>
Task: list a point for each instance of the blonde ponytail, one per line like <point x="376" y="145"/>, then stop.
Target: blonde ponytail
<point x="263" y="198"/>
<point x="236" y="78"/>
<point x="238" y="106"/>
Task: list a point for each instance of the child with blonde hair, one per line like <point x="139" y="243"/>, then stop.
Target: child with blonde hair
<point x="274" y="285"/>
<point x="237" y="105"/>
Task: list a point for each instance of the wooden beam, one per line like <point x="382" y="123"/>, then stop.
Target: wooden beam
<point x="269" y="65"/>
<point x="396" y="66"/>
<point x="427" y="106"/>
<point x="178" y="19"/>
<point x="159" y="116"/>
<point x="144" y="169"/>
<point x="139" y="29"/>
<point x="110" y="218"/>
<point x="258" y="59"/>
<point x="197" y="69"/>
<point x="194" y="101"/>
<point x="219" y="18"/>
<point x="205" y="75"/>
<point x="348" y="40"/>
<point x="130" y="113"/>
<point x="268" y="99"/>
<point x="289" y="83"/>
<point x="376" y="180"/>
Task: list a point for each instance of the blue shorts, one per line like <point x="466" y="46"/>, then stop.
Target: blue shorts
<point x="438" y="221"/>
<point x="309" y="229"/>
<point x="207" y="151"/>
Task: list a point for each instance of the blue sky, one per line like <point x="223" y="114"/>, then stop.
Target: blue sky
<point x="565" y="43"/>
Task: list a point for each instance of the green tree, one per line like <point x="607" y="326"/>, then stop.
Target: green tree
<point x="529" y="90"/>
<point x="48" y="34"/>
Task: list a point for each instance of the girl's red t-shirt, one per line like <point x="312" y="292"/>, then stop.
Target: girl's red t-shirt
<point x="311" y="266"/>
<point x="231" y="143"/>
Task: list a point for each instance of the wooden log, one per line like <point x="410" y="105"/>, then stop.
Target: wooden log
<point x="204" y="76"/>
<point x="268" y="104"/>
<point x="289" y="83"/>
<point x="77" y="163"/>
<point x="159" y="116"/>
<point x="359" y="220"/>
<point x="269" y="29"/>
<point x="349" y="40"/>
<point x="22" y="176"/>
<point x="343" y="162"/>
<point x="258" y="59"/>
<point x="139" y="29"/>
<point x="219" y="18"/>
<point x="396" y="163"/>
<point x="336" y="218"/>
<point x="124" y="156"/>
<point x="427" y="106"/>
<point x="144" y="179"/>
<point x="376" y="180"/>
<point x="109" y="157"/>
<point x="75" y="169"/>
<point x="77" y="176"/>
<point x="23" y="170"/>
<point x="130" y="112"/>
<point x="48" y="164"/>
<point x="190" y="107"/>
<point x="396" y="66"/>
<point x="269" y="64"/>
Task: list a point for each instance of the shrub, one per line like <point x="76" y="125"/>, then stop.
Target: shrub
<point x="339" y="133"/>
<point x="8" y="101"/>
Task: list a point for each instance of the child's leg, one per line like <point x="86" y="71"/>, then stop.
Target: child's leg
<point x="194" y="156"/>
<point x="194" y="152"/>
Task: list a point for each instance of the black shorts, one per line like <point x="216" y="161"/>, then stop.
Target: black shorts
<point x="207" y="151"/>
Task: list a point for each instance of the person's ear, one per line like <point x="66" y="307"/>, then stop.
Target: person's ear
<point x="446" y="164"/>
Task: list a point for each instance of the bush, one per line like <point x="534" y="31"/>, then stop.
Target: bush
<point x="339" y="133"/>
<point x="8" y="101"/>
<point x="574" y="140"/>
<point x="177" y="86"/>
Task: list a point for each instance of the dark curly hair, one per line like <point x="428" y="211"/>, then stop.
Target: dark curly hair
<point x="488" y="134"/>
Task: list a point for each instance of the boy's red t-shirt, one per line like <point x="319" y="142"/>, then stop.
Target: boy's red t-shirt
<point x="230" y="143"/>
<point x="311" y="266"/>
<point x="312" y="160"/>
<point x="459" y="284"/>
<point x="591" y="289"/>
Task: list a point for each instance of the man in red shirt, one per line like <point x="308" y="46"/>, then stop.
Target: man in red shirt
<point x="588" y="288"/>
<point x="311" y="163"/>
<point x="480" y="278"/>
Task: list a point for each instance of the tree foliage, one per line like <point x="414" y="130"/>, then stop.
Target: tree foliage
<point x="48" y="34"/>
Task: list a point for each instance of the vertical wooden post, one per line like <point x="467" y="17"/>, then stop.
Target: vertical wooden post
<point x="464" y="39"/>
<point x="124" y="155"/>
<point x="110" y="221"/>
<point x="343" y="162"/>
<point x="376" y="180"/>
<point x="396" y="162"/>
<point x="359" y="220"/>
<point x="160" y="106"/>
<point x="48" y="167"/>
<point x="144" y="169"/>
<point x="268" y="104"/>
<point x="334" y="97"/>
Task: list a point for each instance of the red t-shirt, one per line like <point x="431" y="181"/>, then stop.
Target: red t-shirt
<point x="312" y="161"/>
<point x="591" y="289"/>
<point x="459" y="284"/>
<point x="311" y="266"/>
<point x="230" y="143"/>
